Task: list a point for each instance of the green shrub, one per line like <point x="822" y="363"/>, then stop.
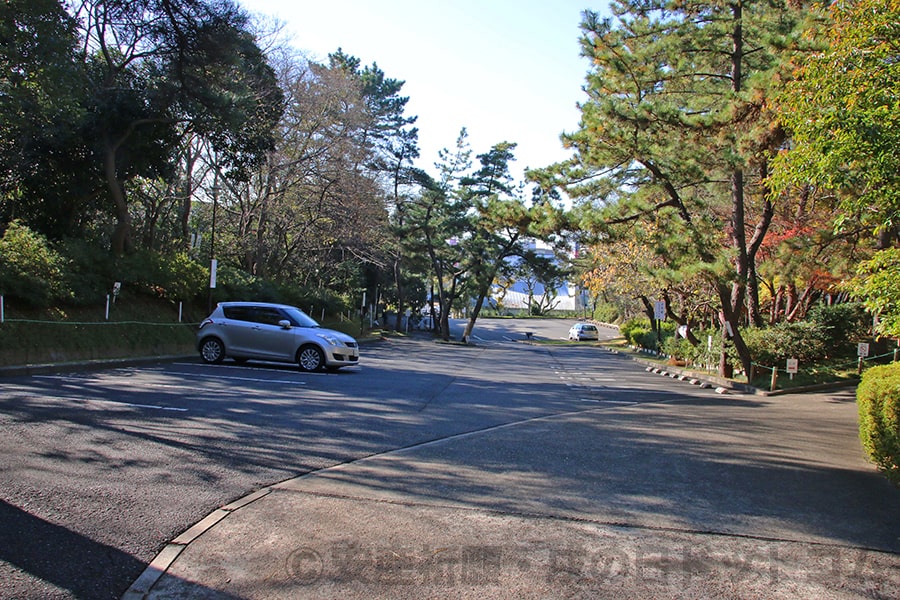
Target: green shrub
<point x="844" y="325"/>
<point x="771" y="346"/>
<point x="634" y="329"/>
<point x="878" y="401"/>
<point x="168" y="277"/>
<point x="679" y="348"/>
<point x="30" y="269"/>
<point x="89" y="273"/>
<point x="639" y="332"/>
<point x="606" y="312"/>
<point x="236" y="284"/>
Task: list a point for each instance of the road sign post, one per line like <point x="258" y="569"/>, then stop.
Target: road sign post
<point x="863" y="351"/>
<point x="793" y="366"/>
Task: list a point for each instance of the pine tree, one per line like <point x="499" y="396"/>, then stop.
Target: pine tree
<point x="677" y="129"/>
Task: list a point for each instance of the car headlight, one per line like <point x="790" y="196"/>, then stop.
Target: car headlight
<point x="329" y="338"/>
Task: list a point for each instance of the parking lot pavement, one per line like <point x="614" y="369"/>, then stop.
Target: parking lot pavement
<point x="701" y="497"/>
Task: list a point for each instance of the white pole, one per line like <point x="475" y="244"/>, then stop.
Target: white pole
<point x="179" y="311"/>
<point x="1" y="309"/>
<point x="107" y="307"/>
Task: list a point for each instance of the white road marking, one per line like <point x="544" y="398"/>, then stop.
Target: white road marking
<point x="150" y="406"/>
<point x="114" y="402"/>
<point x="251" y="379"/>
<point x="622" y="402"/>
<point x="186" y="374"/>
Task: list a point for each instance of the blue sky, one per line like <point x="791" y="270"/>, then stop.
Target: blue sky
<point x="507" y="70"/>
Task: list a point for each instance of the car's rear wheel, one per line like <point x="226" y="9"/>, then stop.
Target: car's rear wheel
<point x="310" y="358"/>
<point x="212" y="350"/>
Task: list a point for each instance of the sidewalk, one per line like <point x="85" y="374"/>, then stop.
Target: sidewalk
<point x="744" y="498"/>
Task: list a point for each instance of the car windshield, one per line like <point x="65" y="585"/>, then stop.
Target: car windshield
<point x="300" y="318"/>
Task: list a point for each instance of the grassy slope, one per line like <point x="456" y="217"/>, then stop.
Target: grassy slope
<point x="138" y="326"/>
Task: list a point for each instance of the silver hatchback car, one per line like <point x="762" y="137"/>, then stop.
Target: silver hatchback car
<point x="583" y="331"/>
<point x="276" y="332"/>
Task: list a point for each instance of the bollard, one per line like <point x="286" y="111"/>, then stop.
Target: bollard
<point x="774" y="379"/>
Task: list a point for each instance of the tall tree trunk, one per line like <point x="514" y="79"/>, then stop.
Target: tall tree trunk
<point x="260" y="260"/>
<point x="187" y="195"/>
<point x="733" y="302"/>
<point x="476" y="310"/>
<point x="398" y="285"/>
<point x="120" y="241"/>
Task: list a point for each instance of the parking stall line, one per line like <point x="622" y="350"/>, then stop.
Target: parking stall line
<point x="183" y="374"/>
<point x="116" y="403"/>
<point x="247" y="379"/>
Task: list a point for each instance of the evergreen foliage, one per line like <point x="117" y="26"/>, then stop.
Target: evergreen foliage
<point x="878" y="400"/>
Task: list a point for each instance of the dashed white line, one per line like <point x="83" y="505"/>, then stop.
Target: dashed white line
<point x="598" y="401"/>
<point x="150" y="406"/>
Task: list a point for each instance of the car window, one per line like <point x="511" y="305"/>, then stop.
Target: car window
<point x="267" y="315"/>
<point x="237" y="313"/>
<point x="299" y="318"/>
<point x="590" y="328"/>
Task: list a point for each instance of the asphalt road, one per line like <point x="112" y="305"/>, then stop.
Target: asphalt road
<point x="99" y="470"/>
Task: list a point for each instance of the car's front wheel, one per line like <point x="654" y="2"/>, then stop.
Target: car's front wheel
<point x="310" y="358"/>
<point x="212" y="350"/>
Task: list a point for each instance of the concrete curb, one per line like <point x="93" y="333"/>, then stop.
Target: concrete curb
<point x="164" y="559"/>
<point x="723" y="386"/>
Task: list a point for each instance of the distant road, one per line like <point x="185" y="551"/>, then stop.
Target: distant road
<point x="506" y="330"/>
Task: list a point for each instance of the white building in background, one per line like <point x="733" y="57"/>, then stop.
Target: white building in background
<point x="568" y="297"/>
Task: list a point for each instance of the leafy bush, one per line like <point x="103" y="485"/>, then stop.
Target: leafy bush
<point x="876" y="285"/>
<point x="606" y="312"/>
<point x="89" y="272"/>
<point x="639" y="332"/>
<point x="173" y="277"/>
<point x="635" y="329"/>
<point x="30" y="269"/>
<point x="806" y="341"/>
<point x="679" y="348"/>
<point x="92" y="271"/>
<point x="844" y="325"/>
<point x="705" y="353"/>
<point x="878" y="401"/>
<point x="236" y="284"/>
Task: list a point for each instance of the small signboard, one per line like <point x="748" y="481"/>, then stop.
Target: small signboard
<point x="212" y="272"/>
<point x="793" y="365"/>
<point x="659" y="310"/>
<point x="863" y="349"/>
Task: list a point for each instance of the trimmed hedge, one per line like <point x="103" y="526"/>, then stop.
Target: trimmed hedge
<point x="878" y="401"/>
<point x="806" y="341"/>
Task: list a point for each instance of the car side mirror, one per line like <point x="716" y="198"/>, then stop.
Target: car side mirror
<point x="284" y="324"/>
